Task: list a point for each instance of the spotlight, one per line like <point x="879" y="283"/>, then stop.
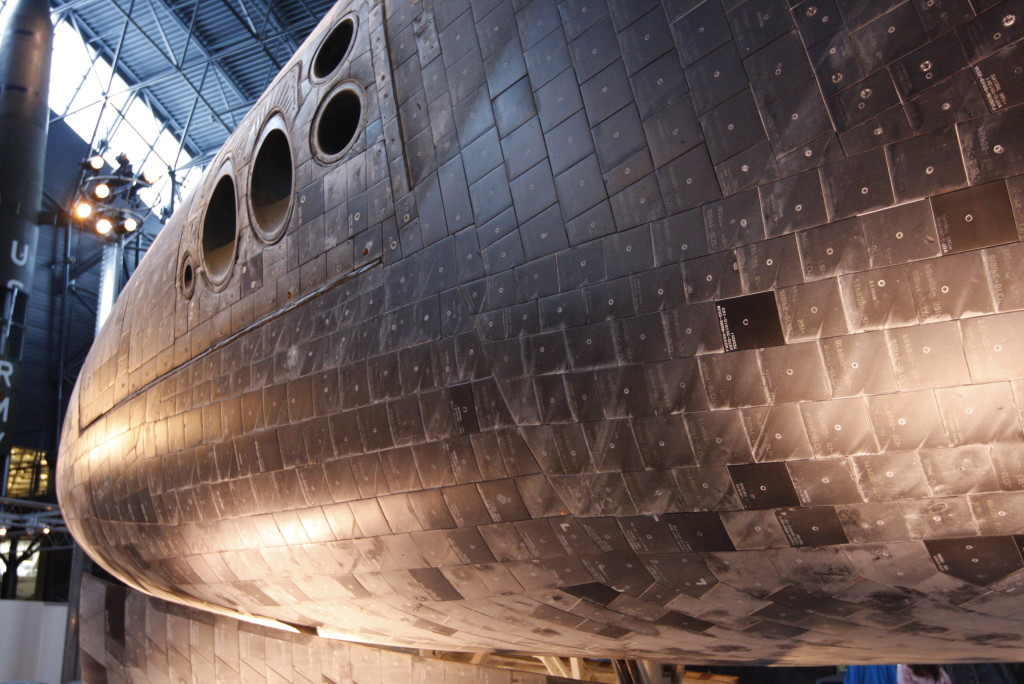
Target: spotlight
<point x="95" y="162"/>
<point x="46" y="530"/>
<point x="3" y="531"/>
<point x="130" y="224"/>
<point x="102" y="191"/>
<point x="150" y="176"/>
<point x="104" y="226"/>
<point x="83" y="210"/>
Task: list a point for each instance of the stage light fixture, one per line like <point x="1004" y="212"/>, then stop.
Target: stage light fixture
<point x="110" y="201"/>
<point x="45" y="530"/>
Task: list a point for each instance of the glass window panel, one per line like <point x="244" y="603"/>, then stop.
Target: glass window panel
<point x="126" y="122"/>
<point x="73" y="58"/>
<point x="142" y="120"/>
<point x="166" y="150"/>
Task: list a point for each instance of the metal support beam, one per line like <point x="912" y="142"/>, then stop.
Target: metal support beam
<point x="9" y="582"/>
<point x="247" y="22"/>
<point x="577" y="668"/>
<point x="213" y="111"/>
<point x="82" y="300"/>
<point x="113" y="69"/>
<point x="188" y="36"/>
<point x="648" y="672"/>
<point x="70" y="665"/>
<point x="555" y="666"/>
<point x="188" y="124"/>
<point x="160" y="28"/>
<point x="63" y="329"/>
<point x="172" y="33"/>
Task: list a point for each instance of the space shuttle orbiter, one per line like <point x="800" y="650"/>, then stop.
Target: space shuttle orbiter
<point x="674" y="330"/>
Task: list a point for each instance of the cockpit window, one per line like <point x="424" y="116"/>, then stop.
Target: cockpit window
<point x="270" y="192"/>
<point x="220" y="231"/>
<point x="338" y="122"/>
<point x="334" y="49"/>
